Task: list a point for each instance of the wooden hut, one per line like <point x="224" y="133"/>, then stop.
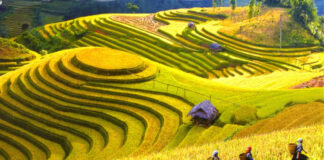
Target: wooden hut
<point x="204" y="113"/>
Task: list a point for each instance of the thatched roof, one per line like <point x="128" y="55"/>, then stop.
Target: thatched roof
<point x="215" y="46"/>
<point x="204" y="110"/>
<point x="191" y="25"/>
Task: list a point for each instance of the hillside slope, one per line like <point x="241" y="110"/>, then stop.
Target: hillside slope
<point x="267" y="146"/>
<point x="275" y="80"/>
<point x="86" y="103"/>
<point x="14" y="55"/>
<point x="292" y="117"/>
<point x="47" y="102"/>
<point x="175" y="45"/>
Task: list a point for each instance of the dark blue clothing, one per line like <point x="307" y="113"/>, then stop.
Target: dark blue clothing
<point x="301" y="157"/>
<point x="249" y="156"/>
<point x="299" y="148"/>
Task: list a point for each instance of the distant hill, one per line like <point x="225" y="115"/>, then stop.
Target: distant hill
<point x="36" y="13"/>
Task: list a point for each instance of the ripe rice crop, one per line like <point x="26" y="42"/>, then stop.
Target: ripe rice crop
<point x="272" y="146"/>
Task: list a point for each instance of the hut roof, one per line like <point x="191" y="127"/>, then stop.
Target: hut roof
<point x="191" y="24"/>
<point x="204" y="110"/>
<point x="215" y="46"/>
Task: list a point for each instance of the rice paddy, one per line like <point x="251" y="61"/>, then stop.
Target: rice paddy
<point x="122" y="91"/>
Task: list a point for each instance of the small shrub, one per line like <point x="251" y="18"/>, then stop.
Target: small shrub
<point x="226" y="117"/>
<point x="43" y="52"/>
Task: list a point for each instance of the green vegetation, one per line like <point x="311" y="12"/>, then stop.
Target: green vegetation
<point x="14" y="55"/>
<point x="22" y="12"/>
<point x="244" y="114"/>
<point x="233" y="4"/>
<point x="35" y="41"/>
<point x="304" y="12"/>
<point x="132" y="7"/>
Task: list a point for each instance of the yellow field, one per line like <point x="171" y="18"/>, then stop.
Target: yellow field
<point x="262" y="29"/>
<point x="274" y="80"/>
<point x="292" y="117"/>
<point x="272" y="146"/>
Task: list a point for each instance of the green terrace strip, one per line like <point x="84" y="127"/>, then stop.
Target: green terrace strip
<point x="55" y="150"/>
<point x="26" y="125"/>
<point x="271" y="52"/>
<point x="4" y="154"/>
<point x="209" y="15"/>
<point x="241" y="53"/>
<point x="60" y="139"/>
<point x="17" y="145"/>
<point x="41" y="147"/>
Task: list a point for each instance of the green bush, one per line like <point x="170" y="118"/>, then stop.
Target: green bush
<point x="244" y="114"/>
<point x="11" y="45"/>
<point x="62" y="40"/>
<point x="297" y="38"/>
<point x="226" y="117"/>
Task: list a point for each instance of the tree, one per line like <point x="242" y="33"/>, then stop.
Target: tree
<point x="132" y="7"/>
<point x="283" y="3"/>
<point x="251" y="8"/>
<point x="304" y="11"/>
<point x="214" y="5"/>
<point x="258" y="8"/>
<point x="233" y="4"/>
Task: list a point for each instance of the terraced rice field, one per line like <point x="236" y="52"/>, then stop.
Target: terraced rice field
<point x="275" y="80"/>
<point x="125" y="90"/>
<point x="82" y="104"/>
<point x="46" y="105"/>
<point x="183" y="48"/>
<point x="272" y="145"/>
<point x="24" y="14"/>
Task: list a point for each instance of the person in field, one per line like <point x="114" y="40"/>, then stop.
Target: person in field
<point x="215" y="155"/>
<point x="298" y="155"/>
<point x="248" y="153"/>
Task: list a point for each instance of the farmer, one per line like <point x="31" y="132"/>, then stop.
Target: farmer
<point x="215" y="155"/>
<point x="248" y="153"/>
<point x="299" y="149"/>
